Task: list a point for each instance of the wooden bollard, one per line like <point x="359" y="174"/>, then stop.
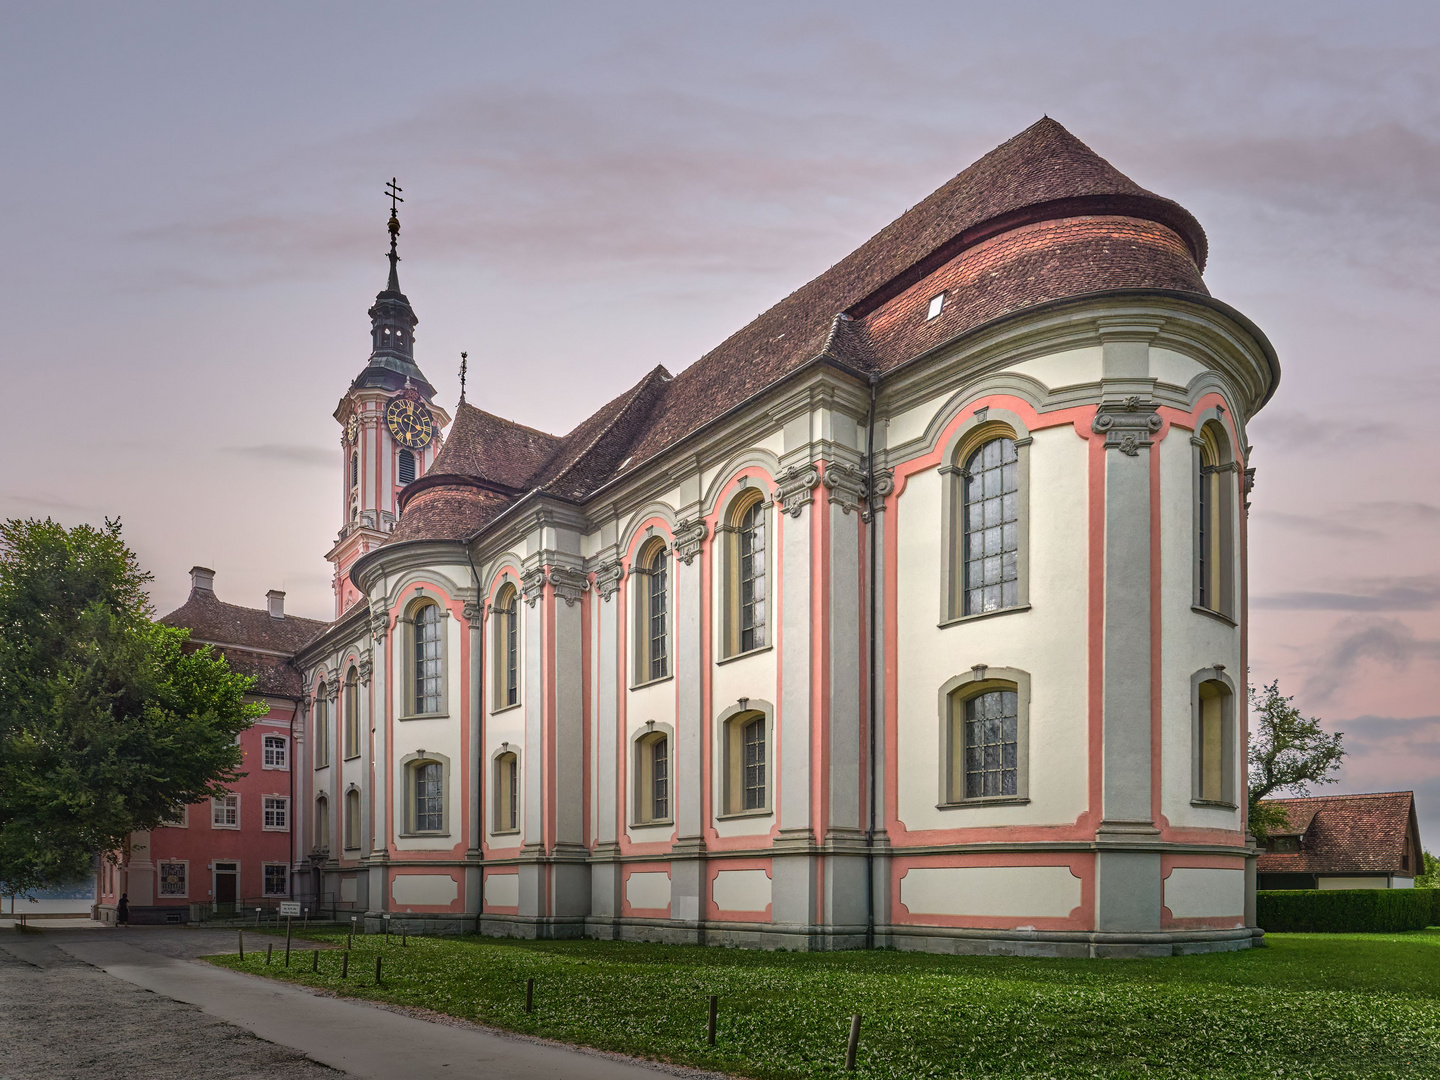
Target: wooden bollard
<point x="404" y="940"/>
<point x="377" y="969"/>
<point x="529" y="995"/>
<point x="241" y="934"/>
<point x="287" y="941"/>
<point x="268" y="946"/>
<point x="314" y="959"/>
<point x="345" y="965"/>
<point x="714" y="1014"/>
<point x="854" y="1043"/>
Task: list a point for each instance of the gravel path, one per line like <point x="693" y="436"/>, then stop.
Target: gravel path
<point x="65" y="1020"/>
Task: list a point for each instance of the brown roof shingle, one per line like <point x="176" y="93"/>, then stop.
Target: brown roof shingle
<point x="249" y="638"/>
<point x="1345" y="834"/>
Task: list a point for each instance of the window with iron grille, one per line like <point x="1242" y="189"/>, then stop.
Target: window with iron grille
<point x="992" y="527"/>
<point x="507" y="648"/>
<point x="277" y="879"/>
<point x="990" y="746"/>
<point x="753" y="742"/>
<point x="277" y="812"/>
<point x="173" y="878"/>
<point x="429" y="797"/>
<point x="427" y="659"/>
<point x="275" y="752"/>
<point x="750" y="539"/>
<point x="660" y="779"/>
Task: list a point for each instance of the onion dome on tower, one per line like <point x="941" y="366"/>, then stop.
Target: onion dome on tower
<point x="392" y="331"/>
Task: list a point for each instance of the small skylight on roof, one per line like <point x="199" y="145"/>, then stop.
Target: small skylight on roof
<point x="937" y="304"/>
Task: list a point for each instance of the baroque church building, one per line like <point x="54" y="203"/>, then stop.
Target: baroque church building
<point x="912" y="615"/>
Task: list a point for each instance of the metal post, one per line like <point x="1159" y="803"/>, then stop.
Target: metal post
<point x="287" y="940"/>
<point x="314" y="959"/>
<point x="714" y="1012"/>
<point x="345" y="965"/>
<point x="268" y="946"/>
<point x="854" y="1043"/>
<point x="377" y="968"/>
<point x="529" y="995"/>
<point x="241" y="934"/>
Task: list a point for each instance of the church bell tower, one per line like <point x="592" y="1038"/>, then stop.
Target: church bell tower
<point x="390" y="425"/>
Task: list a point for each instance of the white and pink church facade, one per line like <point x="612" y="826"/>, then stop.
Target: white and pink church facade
<point x="913" y="615"/>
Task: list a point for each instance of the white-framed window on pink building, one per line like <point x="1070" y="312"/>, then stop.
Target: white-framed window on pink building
<point x="276" y="879"/>
<point x="174" y="878"/>
<point x="277" y="752"/>
<point x="277" y="813"/>
<point x="225" y="812"/>
<point x="179" y="819"/>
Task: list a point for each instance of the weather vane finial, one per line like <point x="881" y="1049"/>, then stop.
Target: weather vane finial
<point x="464" y="360"/>
<point x="393" y="189"/>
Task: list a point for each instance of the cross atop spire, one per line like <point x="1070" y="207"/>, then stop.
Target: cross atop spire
<point x="464" y="360"/>
<point x="393" y="190"/>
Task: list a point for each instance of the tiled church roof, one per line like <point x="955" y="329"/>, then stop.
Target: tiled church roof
<point x="1040" y="218"/>
<point x="1344" y="834"/>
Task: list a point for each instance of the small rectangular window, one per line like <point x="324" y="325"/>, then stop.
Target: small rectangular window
<point x="225" y="812"/>
<point x="937" y="305"/>
<point x="277" y="812"/>
<point x="275" y="752"/>
<point x="277" y="879"/>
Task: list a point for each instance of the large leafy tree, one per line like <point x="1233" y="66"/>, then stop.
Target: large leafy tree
<point x="1288" y="752"/>
<point x="108" y="724"/>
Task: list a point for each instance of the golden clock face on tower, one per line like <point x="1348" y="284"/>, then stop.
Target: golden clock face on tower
<point x="410" y="422"/>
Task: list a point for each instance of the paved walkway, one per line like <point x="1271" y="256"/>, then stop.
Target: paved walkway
<point x="360" y="1039"/>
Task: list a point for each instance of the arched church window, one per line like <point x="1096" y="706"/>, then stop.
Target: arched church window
<point x="991" y="527"/>
<point x="354" y="470"/>
<point x="427" y="659"/>
<point x="406" y="469"/>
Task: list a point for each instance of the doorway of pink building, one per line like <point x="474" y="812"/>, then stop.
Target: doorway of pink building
<point x="227" y="887"/>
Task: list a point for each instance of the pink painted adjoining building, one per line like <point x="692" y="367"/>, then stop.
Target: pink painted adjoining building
<point x="222" y="853"/>
<point x="913" y="614"/>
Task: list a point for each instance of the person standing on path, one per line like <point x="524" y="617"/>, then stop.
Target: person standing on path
<point x="122" y="910"/>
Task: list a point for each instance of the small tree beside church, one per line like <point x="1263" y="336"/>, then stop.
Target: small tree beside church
<point x="1288" y="752"/>
<point x="107" y="725"/>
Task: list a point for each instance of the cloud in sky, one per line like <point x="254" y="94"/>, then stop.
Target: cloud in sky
<point x="1389" y="643"/>
<point x="1373" y="594"/>
<point x="285" y="454"/>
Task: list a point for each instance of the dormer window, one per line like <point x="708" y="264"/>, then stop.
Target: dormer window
<point x="937" y="305"/>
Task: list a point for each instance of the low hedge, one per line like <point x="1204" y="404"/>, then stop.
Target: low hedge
<point x="1345" y="911"/>
<point x="1434" y="895"/>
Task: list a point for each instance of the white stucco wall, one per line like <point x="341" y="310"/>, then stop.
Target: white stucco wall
<point x="1197" y="893"/>
<point x="648" y="889"/>
<point x="1074" y="367"/>
<point x="1049" y="642"/>
<point x="1190" y="641"/>
<point x="424" y="889"/>
<point x="741" y="890"/>
<point x="991" y="891"/>
<point x="502" y="890"/>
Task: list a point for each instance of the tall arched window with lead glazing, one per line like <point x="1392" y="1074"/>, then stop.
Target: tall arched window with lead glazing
<point x="427" y="797"/>
<point x="746" y="575"/>
<point x="506" y="648"/>
<point x="351" y="706"/>
<point x="990" y="516"/>
<point x="1216" y="479"/>
<point x="428" y="674"/>
<point x="652" y="612"/>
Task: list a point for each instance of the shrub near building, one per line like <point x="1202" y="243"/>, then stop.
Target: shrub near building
<point x="1351" y="911"/>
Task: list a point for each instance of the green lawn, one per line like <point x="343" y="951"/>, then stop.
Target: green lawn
<point x="1355" y="1005"/>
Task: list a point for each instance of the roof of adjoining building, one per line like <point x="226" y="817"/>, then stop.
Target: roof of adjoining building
<point x="1345" y="834"/>
<point x="254" y="642"/>
<point x="1040" y="218"/>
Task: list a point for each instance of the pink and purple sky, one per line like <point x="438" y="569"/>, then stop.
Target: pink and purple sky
<point x="194" y="228"/>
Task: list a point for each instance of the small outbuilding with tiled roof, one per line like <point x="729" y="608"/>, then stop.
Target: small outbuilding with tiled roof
<point x="1367" y="841"/>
